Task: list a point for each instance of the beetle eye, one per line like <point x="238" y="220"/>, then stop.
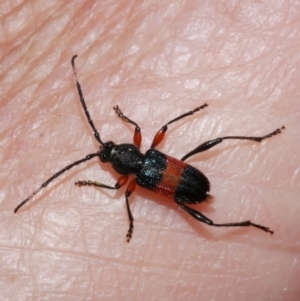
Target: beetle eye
<point x="103" y="157"/>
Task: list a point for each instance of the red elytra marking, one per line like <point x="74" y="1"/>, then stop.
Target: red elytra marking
<point x="171" y="177"/>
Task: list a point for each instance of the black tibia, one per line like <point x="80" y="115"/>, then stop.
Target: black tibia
<point x="137" y="137"/>
<point x="161" y="133"/>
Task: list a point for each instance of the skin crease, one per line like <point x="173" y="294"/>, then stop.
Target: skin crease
<point x="156" y="61"/>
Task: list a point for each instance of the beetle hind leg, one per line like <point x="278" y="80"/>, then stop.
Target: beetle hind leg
<point x="211" y="143"/>
<point x="202" y="218"/>
<point x="244" y="224"/>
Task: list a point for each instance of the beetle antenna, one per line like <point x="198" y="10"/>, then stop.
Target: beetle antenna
<point x="87" y="114"/>
<point x="86" y="158"/>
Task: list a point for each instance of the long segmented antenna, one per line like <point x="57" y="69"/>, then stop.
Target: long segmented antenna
<point x="86" y="158"/>
<point x="87" y="114"/>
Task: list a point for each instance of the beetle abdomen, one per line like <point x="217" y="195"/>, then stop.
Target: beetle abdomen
<point x="193" y="186"/>
<point x="172" y="178"/>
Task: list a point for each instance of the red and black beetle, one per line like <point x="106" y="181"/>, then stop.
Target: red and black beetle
<point x="154" y="170"/>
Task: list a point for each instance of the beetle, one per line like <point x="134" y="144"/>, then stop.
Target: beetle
<point x="154" y="170"/>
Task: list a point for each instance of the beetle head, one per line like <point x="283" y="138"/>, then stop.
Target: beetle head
<point x="105" y="151"/>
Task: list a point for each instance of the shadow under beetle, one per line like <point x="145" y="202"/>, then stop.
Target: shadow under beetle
<point x="154" y="170"/>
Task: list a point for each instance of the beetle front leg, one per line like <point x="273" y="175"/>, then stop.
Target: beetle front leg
<point x="202" y="218"/>
<point x="137" y="136"/>
<point x="121" y="182"/>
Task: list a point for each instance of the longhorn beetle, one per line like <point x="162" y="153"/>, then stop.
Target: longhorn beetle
<point x="165" y="175"/>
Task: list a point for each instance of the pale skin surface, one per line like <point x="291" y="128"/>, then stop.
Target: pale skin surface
<point x="156" y="62"/>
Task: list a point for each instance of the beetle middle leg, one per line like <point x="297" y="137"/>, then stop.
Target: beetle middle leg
<point x="202" y="218"/>
<point x="137" y="136"/>
<point x="161" y="133"/>
<point x="211" y="143"/>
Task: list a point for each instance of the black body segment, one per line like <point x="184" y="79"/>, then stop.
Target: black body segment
<point x="126" y="159"/>
<point x="150" y="175"/>
<point x="193" y="186"/>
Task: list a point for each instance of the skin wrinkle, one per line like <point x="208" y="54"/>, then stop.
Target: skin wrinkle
<point x="245" y="59"/>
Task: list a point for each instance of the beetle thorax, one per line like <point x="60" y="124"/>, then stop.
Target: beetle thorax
<point x="126" y="159"/>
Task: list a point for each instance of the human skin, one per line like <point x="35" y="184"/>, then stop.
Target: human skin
<point x="156" y="61"/>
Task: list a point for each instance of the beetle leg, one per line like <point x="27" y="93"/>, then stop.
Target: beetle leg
<point x="202" y="218"/>
<point x="130" y="189"/>
<point x="137" y="136"/>
<point x="161" y="133"/>
<point x="211" y="143"/>
<point x="121" y="182"/>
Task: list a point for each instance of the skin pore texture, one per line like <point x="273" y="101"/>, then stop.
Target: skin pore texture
<point x="156" y="60"/>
